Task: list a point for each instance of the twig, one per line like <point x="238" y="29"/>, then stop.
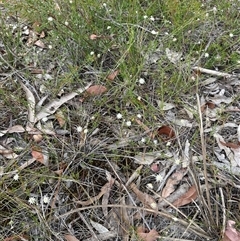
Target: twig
<point x="212" y="72"/>
<point x="204" y="154"/>
<point x="224" y="212"/>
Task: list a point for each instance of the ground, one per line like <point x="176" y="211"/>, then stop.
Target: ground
<point x="120" y="120"/>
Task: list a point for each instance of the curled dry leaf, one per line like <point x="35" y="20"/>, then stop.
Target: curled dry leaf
<point x="40" y="156"/>
<point x="39" y="43"/>
<point x="175" y="178"/>
<point x="166" y="133"/>
<point x="152" y="235"/>
<point x="188" y="197"/>
<point x="231" y="234"/>
<point x="96" y="90"/>
<point x="113" y="75"/>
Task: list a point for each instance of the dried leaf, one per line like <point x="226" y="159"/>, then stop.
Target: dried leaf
<point x="166" y="133"/>
<point x="40" y="44"/>
<point x="96" y="90"/>
<point x="70" y="237"/>
<point x="99" y="227"/>
<point x="60" y="118"/>
<point x="188" y="197"/>
<point x="173" y="56"/>
<point x="146" y="199"/>
<point x="94" y="36"/>
<point x="113" y="75"/>
<point x="231" y="234"/>
<point x="40" y="156"/>
<point x="175" y="178"/>
<point x="152" y="235"/>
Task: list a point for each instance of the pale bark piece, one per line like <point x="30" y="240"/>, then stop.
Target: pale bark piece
<point x="212" y="72"/>
<point x="99" y="227"/>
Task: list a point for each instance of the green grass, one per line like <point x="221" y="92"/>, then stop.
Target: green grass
<point x="206" y="33"/>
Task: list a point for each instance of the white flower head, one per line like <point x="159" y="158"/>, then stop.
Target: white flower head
<point x="119" y="116"/>
<point x="145" y="16"/>
<point x="50" y="46"/>
<point x="91" y="53"/>
<point x="139" y="98"/>
<point x="139" y="116"/>
<point x="66" y="23"/>
<point x="128" y="123"/>
<point x="152" y="18"/>
<point x="231" y="35"/>
<point x="32" y="200"/>
<point x="85" y="131"/>
<point x="141" y="81"/>
<point x="108" y="27"/>
<point x="154" y="32"/>
<point x="16" y="177"/>
<point x="150" y="186"/>
<point x="206" y="55"/>
<point x="159" y="178"/>
<point x="79" y="129"/>
<point x="155" y="142"/>
<point x="104" y="5"/>
<point x="174" y="39"/>
<point x="46" y="199"/>
<point x="50" y="19"/>
<point x="143" y="140"/>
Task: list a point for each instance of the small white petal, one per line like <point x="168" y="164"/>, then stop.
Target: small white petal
<point x="32" y="200"/>
<point x="119" y="116"/>
<point x="50" y="19"/>
<point x="231" y="35"/>
<point x="143" y="140"/>
<point x="128" y="123"/>
<point x="206" y="55"/>
<point x="139" y="116"/>
<point x="91" y="53"/>
<point x="15" y="177"/>
<point x="46" y="199"/>
<point x="79" y="129"/>
<point x="141" y="81"/>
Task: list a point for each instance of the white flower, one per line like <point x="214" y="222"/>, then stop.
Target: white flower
<point x="108" y="27"/>
<point x="159" y="178"/>
<point x="46" y="199"/>
<point x="104" y="5"/>
<point x="79" y="129"/>
<point x="15" y="177"/>
<point x="231" y="35"/>
<point x="85" y="131"/>
<point x="143" y="140"/>
<point x="50" y="19"/>
<point x="91" y="53"/>
<point x="150" y="186"/>
<point x="214" y="9"/>
<point x="139" y="98"/>
<point x="50" y="46"/>
<point x="174" y="39"/>
<point x="98" y="56"/>
<point x="206" y="55"/>
<point x="139" y="116"/>
<point x="32" y="200"/>
<point x="145" y="16"/>
<point x="141" y="81"/>
<point x="71" y="1"/>
<point x="44" y="119"/>
<point x="154" y="32"/>
<point x="155" y="142"/>
<point x="128" y="123"/>
<point x="152" y="18"/>
<point x="119" y="116"/>
<point x="66" y="23"/>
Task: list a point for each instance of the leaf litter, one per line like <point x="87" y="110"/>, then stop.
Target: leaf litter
<point x="171" y="159"/>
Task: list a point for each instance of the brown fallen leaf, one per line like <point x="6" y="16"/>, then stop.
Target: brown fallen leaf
<point x="113" y="75"/>
<point x="166" y="133"/>
<point x="96" y="90"/>
<point x="39" y="43"/>
<point x="94" y="36"/>
<point x="188" y="197"/>
<point x="152" y="235"/>
<point x="146" y="199"/>
<point x="70" y="237"/>
<point x="231" y="234"/>
<point x="173" y="180"/>
<point x="40" y="156"/>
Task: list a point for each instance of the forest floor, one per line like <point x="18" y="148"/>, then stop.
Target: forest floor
<point x="120" y="120"/>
